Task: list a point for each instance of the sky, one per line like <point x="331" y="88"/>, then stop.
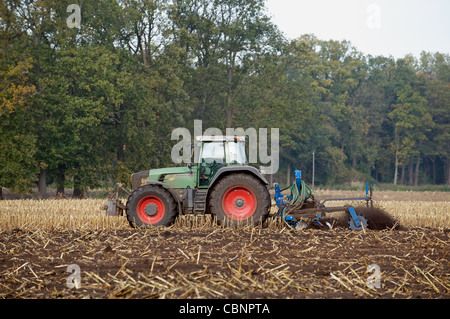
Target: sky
<point x="377" y="27"/>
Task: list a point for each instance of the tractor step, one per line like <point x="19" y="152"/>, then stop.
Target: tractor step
<point x="200" y="201"/>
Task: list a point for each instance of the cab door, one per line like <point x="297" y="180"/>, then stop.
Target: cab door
<point x="212" y="158"/>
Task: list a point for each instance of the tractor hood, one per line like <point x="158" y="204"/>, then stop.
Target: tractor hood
<point x="156" y="174"/>
<point x="174" y="177"/>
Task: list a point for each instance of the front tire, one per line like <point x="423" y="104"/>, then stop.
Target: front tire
<point x="240" y="199"/>
<point x="151" y="205"/>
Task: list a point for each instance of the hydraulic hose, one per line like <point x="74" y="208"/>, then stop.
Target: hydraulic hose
<point x="297" y="198"/>
<point x="305" y="192"/>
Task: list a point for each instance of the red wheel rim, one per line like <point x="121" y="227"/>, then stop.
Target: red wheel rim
<point x="239" y="203"/>
<point x="151" y="209"/>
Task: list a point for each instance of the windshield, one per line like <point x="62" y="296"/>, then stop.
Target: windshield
<point x="213" y="152"/>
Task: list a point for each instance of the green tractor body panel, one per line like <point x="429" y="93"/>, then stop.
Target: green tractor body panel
<point x="173" y="177"/>
<point x="176" y="177"/>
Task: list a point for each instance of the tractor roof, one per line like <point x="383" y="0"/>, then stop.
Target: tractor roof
<point x="220" y="138"/>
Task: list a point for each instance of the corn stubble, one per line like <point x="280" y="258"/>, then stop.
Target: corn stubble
<point x="196" y="258"/>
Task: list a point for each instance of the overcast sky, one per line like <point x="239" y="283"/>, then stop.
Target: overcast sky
<point x="376" y="27"/>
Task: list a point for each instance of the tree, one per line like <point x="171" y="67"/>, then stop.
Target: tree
<point x="13" y="87"/>
<point x="375" y="95"/>
<point x="17" y="144"/>
<point x="435" y="70"/>
<point x="18" y="165"/>
<point x="337" y="70"/>
<point x="412" y="122"/>
<point x="218" y="39"/>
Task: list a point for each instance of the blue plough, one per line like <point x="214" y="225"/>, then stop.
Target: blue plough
<point x="301" y="205"/>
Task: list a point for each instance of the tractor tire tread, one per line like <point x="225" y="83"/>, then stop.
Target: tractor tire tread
<point x="155" y="190"/>
<point x="259" y="189"/>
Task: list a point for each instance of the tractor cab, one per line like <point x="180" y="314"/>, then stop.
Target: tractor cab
<point x="216" y="152"/>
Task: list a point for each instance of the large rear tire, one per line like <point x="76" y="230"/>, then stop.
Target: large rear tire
<point x="151" y="205"/>
<point x="240" y="199"/>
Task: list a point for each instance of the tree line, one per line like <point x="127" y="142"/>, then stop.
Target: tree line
<point x="92" y="103"/>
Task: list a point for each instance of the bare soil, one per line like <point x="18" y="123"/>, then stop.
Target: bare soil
<point x="214" y="262"/>
<point x="400" y="196"/>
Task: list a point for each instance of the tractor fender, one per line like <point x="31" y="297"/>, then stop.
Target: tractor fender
<point x="170" y="190"/>
<point x="238" y="169"/>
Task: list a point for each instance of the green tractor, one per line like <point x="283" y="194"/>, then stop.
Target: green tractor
<point x="221" y="184"/>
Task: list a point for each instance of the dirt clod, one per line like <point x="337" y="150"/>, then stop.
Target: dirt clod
<point x="378" y="219"/>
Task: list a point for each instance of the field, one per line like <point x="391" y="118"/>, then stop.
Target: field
<point x="195" y="258"/>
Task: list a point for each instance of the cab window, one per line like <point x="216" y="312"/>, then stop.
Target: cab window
<point x="213" y="152"/>
<point x="236" y="153"/>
